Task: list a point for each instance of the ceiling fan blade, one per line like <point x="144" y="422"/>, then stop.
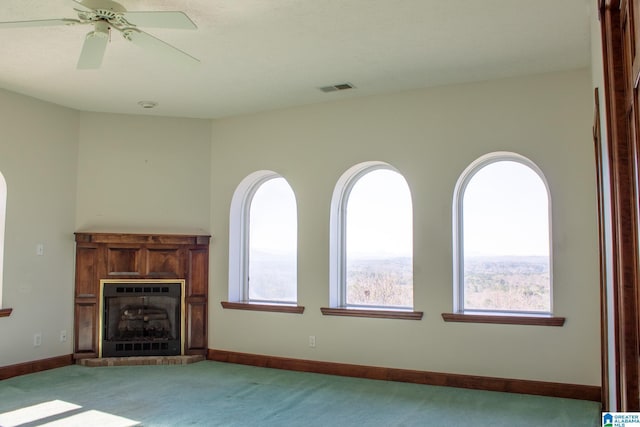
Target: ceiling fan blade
<point x="149" y="42"/>
<point x="161" y="19"/>
<point x="80" y="5"/>
<point x="39" y="23"/>
<point x="95" y="44"/>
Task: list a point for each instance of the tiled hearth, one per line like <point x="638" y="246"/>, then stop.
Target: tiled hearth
<point x="141" y="360"/>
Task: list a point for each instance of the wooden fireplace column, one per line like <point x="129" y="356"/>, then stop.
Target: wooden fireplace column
<point x="140" y="256"/>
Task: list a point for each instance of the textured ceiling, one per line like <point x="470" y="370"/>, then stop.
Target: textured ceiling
<point x="265" y="54"/>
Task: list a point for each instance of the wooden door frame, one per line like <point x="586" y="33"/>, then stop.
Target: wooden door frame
<point x="623" y="178"/>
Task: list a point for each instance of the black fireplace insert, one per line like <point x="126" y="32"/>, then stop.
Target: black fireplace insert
<point x="141" y="319"/>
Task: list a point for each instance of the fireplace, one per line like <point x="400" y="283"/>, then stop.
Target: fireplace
<point x="140" y="294"/>
<point x="141" y="317"/>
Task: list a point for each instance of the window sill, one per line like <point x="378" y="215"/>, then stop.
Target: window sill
<point x="277" y="308"/>
<point x="5" y="312"/>
<point x="504" y="319"/>
<point x="378" y="314"/>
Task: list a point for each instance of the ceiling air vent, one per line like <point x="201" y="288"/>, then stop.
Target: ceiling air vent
<point x="337" y="87"/>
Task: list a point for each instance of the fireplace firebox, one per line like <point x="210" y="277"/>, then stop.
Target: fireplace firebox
<point x="142" y="318"/>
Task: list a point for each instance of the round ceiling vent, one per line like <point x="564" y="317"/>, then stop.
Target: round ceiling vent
<point x="148" y="104"/>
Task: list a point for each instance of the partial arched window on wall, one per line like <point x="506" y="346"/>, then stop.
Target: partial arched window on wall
<point x="3" y="210"/>
<point x="371" y="241"/>
<point x="502" y="237"/>
<point x="263" y="241"/>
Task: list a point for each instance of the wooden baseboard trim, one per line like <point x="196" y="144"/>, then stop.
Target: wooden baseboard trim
<point x="540" y="388"/>
<point x="35" y="366"/>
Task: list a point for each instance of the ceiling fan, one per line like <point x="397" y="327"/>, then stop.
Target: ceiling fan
<point x="107" y="15"/>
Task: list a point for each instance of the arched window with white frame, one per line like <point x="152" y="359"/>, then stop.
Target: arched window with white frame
<point x="3" y="211"/>
<point x="371" y="241"/>
<point x="263" y="241"/>
<point x="502" y="237"/>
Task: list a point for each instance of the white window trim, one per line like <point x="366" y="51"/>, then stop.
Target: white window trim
<point x="458" y="233"/>
<point x="239" y="233"/>
<point x="337" y="233"/>
<point x="3" y="215"/>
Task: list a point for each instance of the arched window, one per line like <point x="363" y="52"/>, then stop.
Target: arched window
<point x="371" y="242"/>
<point x="263" y="241"/>
<point x="502" y="237"/>
<point x="3" y="210"/>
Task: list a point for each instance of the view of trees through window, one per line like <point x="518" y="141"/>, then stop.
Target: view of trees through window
<point x="503" y="253"/>
<point x="505" y="229"/>
<point x="273" y="243"/>
<point x="379" y="241"/>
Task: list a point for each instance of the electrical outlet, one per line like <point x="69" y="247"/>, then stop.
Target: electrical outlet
<point x="312" y="341"/>
<point x="63" y="336"/>
<point x="37" y="339"/>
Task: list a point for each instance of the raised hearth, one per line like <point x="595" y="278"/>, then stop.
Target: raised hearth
<point x="141" y="360"/>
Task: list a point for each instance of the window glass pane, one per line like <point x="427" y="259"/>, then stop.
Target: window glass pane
<point x="379" y="241"/>
<point x="273" y="243"/>
<point x="505" y="216"/>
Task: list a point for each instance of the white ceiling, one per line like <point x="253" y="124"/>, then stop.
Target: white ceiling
<point x="265" y="54"/>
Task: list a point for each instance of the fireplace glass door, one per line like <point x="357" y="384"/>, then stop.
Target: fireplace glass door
<point x="141" y="319"/>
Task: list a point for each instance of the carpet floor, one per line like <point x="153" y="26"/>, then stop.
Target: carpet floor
<point x="220" y="394"/>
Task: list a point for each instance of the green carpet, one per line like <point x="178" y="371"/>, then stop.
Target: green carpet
<point x="220" y="394"/>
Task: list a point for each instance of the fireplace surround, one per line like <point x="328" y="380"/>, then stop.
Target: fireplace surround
<point x="140" y="294"/>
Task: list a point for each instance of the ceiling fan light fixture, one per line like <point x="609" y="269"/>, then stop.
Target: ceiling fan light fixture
<point x="100" y="29"/>
<point x="148" y="104"/>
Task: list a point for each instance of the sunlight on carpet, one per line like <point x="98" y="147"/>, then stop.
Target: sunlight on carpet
<point x="92" y="418"/>
<point x="55" y="414"/>
<point x="35" y="412"/>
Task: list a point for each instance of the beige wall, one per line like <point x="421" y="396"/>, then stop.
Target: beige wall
<point x="430" y="136"/>
<point x="143" y="174"/>
<point x="38" y="157"/>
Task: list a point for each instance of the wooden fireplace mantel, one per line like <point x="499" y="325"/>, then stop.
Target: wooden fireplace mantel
<point x="140" y="256"/>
